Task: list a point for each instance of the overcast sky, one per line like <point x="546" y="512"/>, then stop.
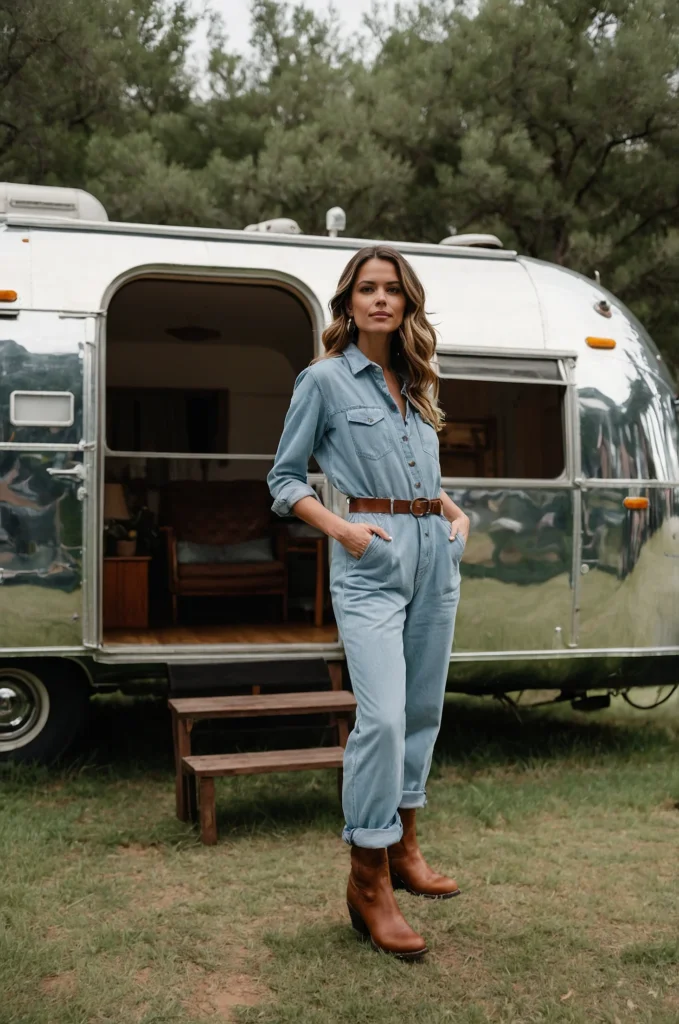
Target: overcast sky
<point x="236" y="15"/>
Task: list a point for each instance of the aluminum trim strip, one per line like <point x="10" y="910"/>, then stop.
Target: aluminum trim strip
<point x="199" y="653"/>
<point x="488" y="378"/>
<point x="58" y="224"/>
<point x="580" y="652"/>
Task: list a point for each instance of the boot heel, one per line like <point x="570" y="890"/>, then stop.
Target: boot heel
<point x="357" y="922"/>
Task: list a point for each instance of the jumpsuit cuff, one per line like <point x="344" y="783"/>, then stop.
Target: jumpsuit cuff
<point x="374" y="838"/>
<point x="290" y="494"/>
<point x="413" y="800"/>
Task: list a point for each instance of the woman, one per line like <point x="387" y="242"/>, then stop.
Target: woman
<point x="367" y="410"/>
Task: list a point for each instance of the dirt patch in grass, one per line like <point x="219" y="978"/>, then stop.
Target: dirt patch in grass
<point x="170" y="895"/>
<point x="217" y="994"/>
<point x="138" y="849"/>
<point x="63" y="984"/>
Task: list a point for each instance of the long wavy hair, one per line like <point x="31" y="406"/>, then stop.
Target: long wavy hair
<point x="412" y="346"/>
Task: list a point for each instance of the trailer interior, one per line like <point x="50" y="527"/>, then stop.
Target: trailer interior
<point x="199" y="376"/>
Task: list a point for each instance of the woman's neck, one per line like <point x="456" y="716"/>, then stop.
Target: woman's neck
<point x="377" y="348"/>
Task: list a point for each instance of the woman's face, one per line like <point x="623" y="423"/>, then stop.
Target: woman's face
<point x="377" y="301"/>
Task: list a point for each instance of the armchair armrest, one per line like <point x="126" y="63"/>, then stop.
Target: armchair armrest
<point x="171" y="540"/>
<point x="280" y="541"/>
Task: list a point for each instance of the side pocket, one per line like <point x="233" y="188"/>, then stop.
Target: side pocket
<point x="361" y="558"/>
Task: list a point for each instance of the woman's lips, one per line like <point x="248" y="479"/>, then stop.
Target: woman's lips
<point x="381" y="316"/>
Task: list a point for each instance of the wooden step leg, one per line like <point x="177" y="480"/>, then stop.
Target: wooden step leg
<point x="335" y="673"/>
<point x="181" y="730"/>
<point x="208" y="822"/>
<point x="191" y="797"/>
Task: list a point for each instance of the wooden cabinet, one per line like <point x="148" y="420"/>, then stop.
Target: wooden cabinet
<point x="126" y="592"/>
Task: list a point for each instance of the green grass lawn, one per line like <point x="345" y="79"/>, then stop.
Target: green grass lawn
<point x="562" y="831"/>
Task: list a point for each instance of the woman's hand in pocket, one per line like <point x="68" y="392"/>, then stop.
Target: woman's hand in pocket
<point x="355" y="537"/>
<point x="459" y="525"/>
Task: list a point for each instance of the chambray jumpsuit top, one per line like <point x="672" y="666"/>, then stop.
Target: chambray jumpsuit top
<point x="394" y="605"/>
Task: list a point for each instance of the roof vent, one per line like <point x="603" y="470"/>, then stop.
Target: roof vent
<point x="46" y="201"/>
<point x="277" y="226"/>
<point x="474" y="241"/>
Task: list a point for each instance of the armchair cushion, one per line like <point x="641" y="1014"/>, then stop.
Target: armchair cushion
<point x="258" y="550"/>
<point x="231" y="570"/>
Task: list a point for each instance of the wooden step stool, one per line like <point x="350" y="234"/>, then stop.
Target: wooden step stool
<point x="194" y="776"/>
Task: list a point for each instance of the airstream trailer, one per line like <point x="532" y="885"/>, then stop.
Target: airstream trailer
<point x="145" y="369"/>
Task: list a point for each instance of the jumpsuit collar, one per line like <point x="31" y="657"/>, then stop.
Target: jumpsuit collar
<point x="358" y="361"/>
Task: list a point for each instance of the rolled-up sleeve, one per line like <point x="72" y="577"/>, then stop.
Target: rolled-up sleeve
<point x="303" y="430"/>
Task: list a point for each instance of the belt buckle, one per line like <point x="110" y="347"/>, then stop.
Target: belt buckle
<point x="419" y="515"/>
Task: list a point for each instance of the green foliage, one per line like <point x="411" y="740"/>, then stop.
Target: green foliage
<point x="554" y="123"/>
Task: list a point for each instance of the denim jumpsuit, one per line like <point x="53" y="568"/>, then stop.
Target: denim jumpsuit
<point x="394" y="605"/>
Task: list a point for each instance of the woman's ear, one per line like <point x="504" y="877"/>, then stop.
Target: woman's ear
<point x="350" y="310"/>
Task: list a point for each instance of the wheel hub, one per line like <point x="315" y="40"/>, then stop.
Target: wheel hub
<point x="24" y="705"/>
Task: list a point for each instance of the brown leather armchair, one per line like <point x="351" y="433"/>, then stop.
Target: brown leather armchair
<point x="210" y="528"/>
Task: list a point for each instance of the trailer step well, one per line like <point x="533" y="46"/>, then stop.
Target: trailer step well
<point x="224" y="677"/>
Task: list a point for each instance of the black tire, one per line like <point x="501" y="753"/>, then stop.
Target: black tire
<point x="44" y="705"/>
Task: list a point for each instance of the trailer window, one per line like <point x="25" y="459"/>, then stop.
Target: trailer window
<point x="504" y="417"/>
<point x="41" y="408"/>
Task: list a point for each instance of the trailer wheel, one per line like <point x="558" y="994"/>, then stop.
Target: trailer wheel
<point x="43" y="706"/>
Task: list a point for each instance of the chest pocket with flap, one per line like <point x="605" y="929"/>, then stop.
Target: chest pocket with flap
<point x="428" y="438"/>
<point x="370" y="432"/>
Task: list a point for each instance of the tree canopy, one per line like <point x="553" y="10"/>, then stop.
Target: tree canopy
<point x="552" y="123"/>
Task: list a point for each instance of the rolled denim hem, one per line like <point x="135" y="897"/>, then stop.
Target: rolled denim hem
<point x="373" y="838"/>
<point x="413" y="800"/>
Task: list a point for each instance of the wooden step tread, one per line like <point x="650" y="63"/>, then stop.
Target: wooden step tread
<point x="258" y="762"/>
<point x="252" y="705"/>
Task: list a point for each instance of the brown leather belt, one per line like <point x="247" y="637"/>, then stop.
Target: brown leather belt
<point x="418" y="507"/>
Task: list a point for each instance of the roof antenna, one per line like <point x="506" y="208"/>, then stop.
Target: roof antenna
<point x="335" y="221"/>
<point x="597" y="277"/>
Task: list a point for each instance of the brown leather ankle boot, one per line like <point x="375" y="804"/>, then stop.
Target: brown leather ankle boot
<point x="373" y="909"/>
<point x="409" y="869"/>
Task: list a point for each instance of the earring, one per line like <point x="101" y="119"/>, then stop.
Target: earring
<point x="350" y="324"/>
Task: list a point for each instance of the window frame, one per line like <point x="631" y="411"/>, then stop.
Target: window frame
<point x="565" y="362"/>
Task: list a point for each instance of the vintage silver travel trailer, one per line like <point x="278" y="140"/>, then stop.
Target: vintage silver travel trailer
<point x="145" y="372"/>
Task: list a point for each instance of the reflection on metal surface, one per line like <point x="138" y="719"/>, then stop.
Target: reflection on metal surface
<point x="41" y="352"/>
<point x="631" y="593"/>
<point x="628" y="423"/>
<point x="516" y="570"/>
<point x="40" y="550"/>
<point x="629" y="431"/>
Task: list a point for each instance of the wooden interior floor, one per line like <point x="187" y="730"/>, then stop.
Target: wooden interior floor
<point x="283" y="633"/>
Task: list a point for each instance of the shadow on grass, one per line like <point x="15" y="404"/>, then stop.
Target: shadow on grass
<point x="479" y="733"/>
<point x="126" y="758"/>
<point x="133" y="735"/>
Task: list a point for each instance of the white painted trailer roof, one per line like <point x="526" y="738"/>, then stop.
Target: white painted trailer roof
<point x="478" y="299"/>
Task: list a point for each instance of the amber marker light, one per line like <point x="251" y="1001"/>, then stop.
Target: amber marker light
<point x="635" y="503"/>
<point x="600" y="342"/>
<point x="7" y="295"/>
